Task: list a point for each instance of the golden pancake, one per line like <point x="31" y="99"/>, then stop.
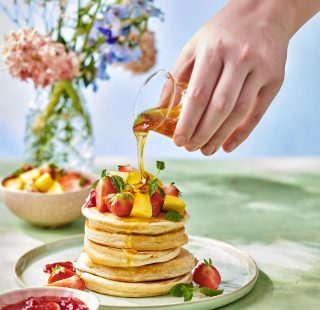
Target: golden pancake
<point x="166" y="241"/>
<point x="175" y="267"/>
<point x="131" y="225"/>
<point x="138" y="289"/>
<point x="108" y="256"/>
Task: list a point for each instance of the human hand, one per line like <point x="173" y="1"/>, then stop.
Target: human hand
<point x="235" y="67"/>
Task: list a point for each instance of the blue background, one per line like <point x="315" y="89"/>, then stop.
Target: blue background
<point x="291" y="126"/>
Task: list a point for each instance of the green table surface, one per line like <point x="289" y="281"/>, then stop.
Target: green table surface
<point x="268" y="207"/>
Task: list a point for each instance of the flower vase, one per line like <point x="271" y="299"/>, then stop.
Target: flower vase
<point x="58" y="128"/>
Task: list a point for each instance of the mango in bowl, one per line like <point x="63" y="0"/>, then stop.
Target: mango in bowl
<point x="46" y="196"/>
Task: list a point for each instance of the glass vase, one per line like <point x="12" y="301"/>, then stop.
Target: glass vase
<point x="58" y="128"/>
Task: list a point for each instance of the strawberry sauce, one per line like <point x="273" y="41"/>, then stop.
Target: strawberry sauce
<point x="48" y="303"/>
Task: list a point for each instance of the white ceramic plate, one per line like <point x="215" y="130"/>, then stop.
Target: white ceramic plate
<point x="238" y="270"/>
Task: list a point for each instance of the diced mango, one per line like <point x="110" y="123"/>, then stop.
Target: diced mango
<point x="15" y="183"/>
<point x="44" y="182"/>
<point x="56" y="188"/>
<point x="134" y="177"/>
<point x="30" y="175"/>
<point x="142" y="206"/>
<point x="123" y="174"/>
<point x="174" y="203"/>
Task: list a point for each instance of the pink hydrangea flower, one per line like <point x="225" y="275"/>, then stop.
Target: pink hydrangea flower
<point x="30" y="55"/>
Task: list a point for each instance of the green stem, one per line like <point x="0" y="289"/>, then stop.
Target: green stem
<point x="93" y="19"/>
<point x="60" y="88"/>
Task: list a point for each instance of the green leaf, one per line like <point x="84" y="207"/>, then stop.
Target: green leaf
<point x="152" y="186"/>
<point x="184" y="290"/>
<point x="209" y="292"/>
<point x="82" y="181"/>
<point x="187" y="293"/>
<point x="103" y="173"/>
<point x="160" y="189"/>
<point x="94" y="184"/>
<point x="174" y="216"/>
<point x="160" y="165"/>
<point x="118" y="183"/>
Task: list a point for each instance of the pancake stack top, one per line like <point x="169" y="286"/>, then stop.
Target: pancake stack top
<point x="130" y="255"/>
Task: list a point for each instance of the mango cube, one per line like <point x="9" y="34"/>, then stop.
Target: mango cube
<point x="44" y="182"/>
<point x="56" y="188"/>
<point x="142" y="206"/>
<point x="134" y="177"/>
<point x="174" y="203"/>
<point x="15" y="183"/>
<point x="30" y="175"/>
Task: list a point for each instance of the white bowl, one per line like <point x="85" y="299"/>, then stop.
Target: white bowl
<point x="12" y="297"/>
<point x="46" y="209"/>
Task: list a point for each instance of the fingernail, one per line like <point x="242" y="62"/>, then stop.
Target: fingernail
<point x="180" y="140"/>
<point x="230" y="147"/>
<point x="191" y="148"/>
<point x="213" y="151"/>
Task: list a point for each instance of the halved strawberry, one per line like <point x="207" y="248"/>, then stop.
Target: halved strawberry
<point x="120" y="204"/>
<point x="59" y="273"/>
<point x="126" y="168"/>
<point x="91" y="200"/>
<point x="73" y="282"/>
<point x="206" y="275"/>
<point x="104" y="188"/>
<point x="171" y="189"/>
<point x="157" y="201"/>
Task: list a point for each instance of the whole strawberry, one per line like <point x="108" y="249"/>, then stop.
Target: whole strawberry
<point x="206" y="275"/>
<point x="171" y="189"/>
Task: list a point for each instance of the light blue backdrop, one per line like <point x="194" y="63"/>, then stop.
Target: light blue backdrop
<point x="291" y="126"/>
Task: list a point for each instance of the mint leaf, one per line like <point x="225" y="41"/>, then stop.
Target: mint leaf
<point x="94" y="184"/>
<point x="103" y="173"/>
<point x="160" y="165"/>
<point x="209" y="292"/>
<point x="82" y="181"/>
<point x="117" y="183"/>
<point x="174" y="216"/>
<point x="152" y="186"/>
<point x="184" y="290"/>
<point x="187" y="293"/>
<point x="160" y="189"/>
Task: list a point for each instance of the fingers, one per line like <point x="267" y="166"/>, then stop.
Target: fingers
<point x="183" y="67"/>
<point x="181" y="73"/>
<point x="221" y="104"/>
<point x="205" y="74"/>
<point x="259" y="108"/>
<point x="246" y="99"/>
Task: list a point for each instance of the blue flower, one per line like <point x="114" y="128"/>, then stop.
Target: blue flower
<point x="108" y="33"/>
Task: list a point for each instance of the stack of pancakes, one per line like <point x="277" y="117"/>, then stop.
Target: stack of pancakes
<point x="133" y="257"/>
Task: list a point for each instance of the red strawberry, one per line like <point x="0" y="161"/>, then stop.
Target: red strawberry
<point x="157" y="201"/>
<point x="59" y="273"/>
<point x="49" y="267"/>
<point x="171" y="189"/>
<point x="206" y="275"/>
<point x="126" y="168"/>
<point x="121" y="204"/>
<point x="91" y="200"/>
<point x="73" y="282"/>
<point x="73" y="181"/>
<point x="104" y="188"/>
